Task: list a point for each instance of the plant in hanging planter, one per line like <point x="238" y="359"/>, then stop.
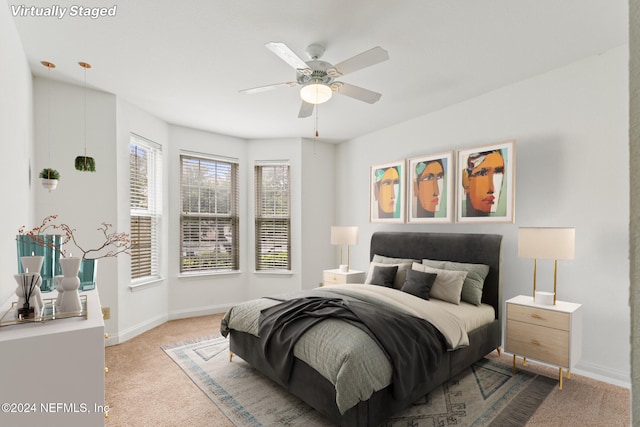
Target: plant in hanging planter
<point x="84" y="163"/>
<point x="49" y="178"/>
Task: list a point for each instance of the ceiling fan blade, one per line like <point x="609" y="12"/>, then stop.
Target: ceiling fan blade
<point x="306" y="109"/>
<point x="287" y="55"/>
<point x="266" y="88"/>
<point x="356" y="92"/>
<point x="365" y="59"/>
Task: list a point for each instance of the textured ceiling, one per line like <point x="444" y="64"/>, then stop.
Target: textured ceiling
<point x="186" y="61"/>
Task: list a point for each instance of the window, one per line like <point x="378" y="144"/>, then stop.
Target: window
<point x="273" y="222"/>
<point x="145" y="203"/>
<point x="209" y="217"/>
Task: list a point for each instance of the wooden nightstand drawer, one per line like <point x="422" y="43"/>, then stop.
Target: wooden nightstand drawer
<point x="538" y="316"/>
<point x="337" y="277"/>
<point x="538" y="342"/>
<point x="329" y="277"/>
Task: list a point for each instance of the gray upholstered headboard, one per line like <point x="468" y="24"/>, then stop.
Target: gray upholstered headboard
<point x="459" y="247"/>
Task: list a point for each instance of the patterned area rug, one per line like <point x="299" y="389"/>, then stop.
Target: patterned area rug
<point x="487" y="393"/>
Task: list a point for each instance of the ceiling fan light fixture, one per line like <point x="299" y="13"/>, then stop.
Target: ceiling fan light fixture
<point x="315" y="93"/>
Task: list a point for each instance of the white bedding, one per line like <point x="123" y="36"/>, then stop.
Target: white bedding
<point x="473" y="316"/>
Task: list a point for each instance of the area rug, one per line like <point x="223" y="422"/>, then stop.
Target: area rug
<point x="486" y="394"/>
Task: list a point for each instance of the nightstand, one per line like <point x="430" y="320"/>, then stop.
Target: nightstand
<point x="547" y="333"/>
<point x="337" y="277"/>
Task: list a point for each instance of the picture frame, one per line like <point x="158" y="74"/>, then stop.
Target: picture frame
<point x="430" y="188"/>
<point x="485" y="187"/>
<point x="386" y="192"/>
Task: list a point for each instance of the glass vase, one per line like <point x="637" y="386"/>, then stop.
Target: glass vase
<point x="87" y="274"/>
<point x="46" y="245"/>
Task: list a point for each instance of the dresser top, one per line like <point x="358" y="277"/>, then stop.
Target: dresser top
<point x="559" y="306"/>
<point x="33" y="329"/>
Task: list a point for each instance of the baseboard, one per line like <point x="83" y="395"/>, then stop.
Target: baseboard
<point x="135" y="330"/>
<point x="597" y="372"/>
<point x="199" y="311"/>
<point x="604" y="374"/>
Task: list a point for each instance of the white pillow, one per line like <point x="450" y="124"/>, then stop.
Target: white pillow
<point x="448" y="284"/>
<point x="401" y="274"/>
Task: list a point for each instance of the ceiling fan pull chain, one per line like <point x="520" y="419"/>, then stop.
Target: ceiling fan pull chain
<point x="317" y="108"/>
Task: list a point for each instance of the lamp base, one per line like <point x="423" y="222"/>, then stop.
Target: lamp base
<point x="544" y="298"/>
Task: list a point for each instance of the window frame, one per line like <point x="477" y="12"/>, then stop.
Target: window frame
<point x="228" y="238"/>
<point x="153" y="210"/>
<point x="277" y="215"/>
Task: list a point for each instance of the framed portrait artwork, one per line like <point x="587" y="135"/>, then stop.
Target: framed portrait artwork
<point x="485" y="185"/>
<point x="430" y="188"/>
<point x="386" y="199"/>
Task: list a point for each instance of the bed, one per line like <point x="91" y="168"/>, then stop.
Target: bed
<point x="331" y="393"/>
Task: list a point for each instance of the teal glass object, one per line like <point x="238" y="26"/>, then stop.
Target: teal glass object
<point x="41" y="245"/>
<point x="87" y="274"/>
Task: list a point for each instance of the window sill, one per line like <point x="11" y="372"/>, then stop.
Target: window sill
<point x="148" y="283"/>
<point x="208" y="274"/>
<point x="273" y="273"/>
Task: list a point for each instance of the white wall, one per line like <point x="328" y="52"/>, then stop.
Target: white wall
<point x="16" y="149"/>
<point x="572" y="170"/>
<point x="634" y="223"/>
<point x="83" y="200"/>
<point x="214" y="293"/>
<point x="210" y="293"/>
<point x="142" y="308"/>
<point x="318" y="209"/>
<point x="263" y="283"/>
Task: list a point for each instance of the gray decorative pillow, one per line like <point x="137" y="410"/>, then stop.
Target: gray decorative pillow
<point x="473" y="283"/>
<point x="384" y="275"/>
<point x="448" y="284"/>
<point x="402" y="263"/>
<point x="418" y="283"/>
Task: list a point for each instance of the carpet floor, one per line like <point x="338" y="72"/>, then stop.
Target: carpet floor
<point x="144" y="387"/>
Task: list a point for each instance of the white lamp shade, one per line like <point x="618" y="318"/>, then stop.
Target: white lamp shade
<point x="315" y="93"/>
<point x="344" y="235"/>
<point x="546" y="243"/>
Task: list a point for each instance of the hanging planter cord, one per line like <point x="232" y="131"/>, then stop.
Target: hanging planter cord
<point x="84" y="163"/>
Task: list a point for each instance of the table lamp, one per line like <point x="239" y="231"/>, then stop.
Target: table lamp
<point x="546" y="243"/>
<point x="344" y="235"/>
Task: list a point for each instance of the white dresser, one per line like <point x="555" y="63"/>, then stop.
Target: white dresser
<point x="52" y="372"/>
<point x="547" y="333"/>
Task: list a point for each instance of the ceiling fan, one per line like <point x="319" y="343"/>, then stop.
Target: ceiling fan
<point x="318" y="78"/>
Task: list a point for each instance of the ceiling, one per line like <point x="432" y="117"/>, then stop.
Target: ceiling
<point x="186" y="61"/>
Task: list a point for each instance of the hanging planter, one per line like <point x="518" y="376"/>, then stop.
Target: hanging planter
<point x="49" y="178"/>
<point x="84" y="163"/>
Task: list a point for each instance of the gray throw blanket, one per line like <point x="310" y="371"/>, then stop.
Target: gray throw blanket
<point x="413" y="346"/>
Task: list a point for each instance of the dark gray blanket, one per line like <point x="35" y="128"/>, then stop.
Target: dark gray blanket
<point x="413" y="346"/>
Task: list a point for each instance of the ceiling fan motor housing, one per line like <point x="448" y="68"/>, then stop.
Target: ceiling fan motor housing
<point x="318" y="73"/>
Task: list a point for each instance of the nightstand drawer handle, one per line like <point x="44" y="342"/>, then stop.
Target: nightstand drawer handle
<point x="535" y="342"/>
<point x="536" y="316"/>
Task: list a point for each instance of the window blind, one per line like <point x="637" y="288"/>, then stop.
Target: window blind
<point x="273" y="221"/>
<point x="209" y="214"/>
<point x="145" y="202"/>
